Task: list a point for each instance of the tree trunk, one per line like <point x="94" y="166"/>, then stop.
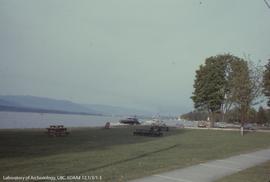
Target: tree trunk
<point x="242" y="122"/>
<point x="242" y="130"/>
<point x="211" y="122"/>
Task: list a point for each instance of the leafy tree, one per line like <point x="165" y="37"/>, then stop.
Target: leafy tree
<point x="267" y="113"/>
<point x="266" y="82"/>
<point x="233" y="116"/>
<point x="225" y="81"/>
<point x="209" y="85"/>
<point x="195" y="116"/>
<point x="245" y="83"/>
<point x="261" y="116"/>
<point x="240" y="87"/>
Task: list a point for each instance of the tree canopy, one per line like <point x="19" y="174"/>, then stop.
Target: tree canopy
<point x="209" y="84"/>
<point x="226" y="80"/>
<point x="266" y="82"/>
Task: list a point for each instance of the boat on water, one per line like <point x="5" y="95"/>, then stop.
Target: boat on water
<point x="130" y="121"/>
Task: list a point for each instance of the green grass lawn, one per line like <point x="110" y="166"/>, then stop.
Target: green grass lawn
<point x="116" y="154"/>
<point x="260" y="173"/>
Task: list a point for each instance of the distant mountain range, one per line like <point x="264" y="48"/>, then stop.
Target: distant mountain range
<point x="118" y="111"/>
<point x="47" y="105"/>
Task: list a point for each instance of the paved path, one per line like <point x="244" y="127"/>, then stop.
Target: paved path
<point x="211" y="171"/>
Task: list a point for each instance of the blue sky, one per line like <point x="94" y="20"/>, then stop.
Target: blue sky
<point x="135" y="53"/>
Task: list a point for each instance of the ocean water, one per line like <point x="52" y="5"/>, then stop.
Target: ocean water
<point x="9" y="120"/>
<point x="37" y="120"/>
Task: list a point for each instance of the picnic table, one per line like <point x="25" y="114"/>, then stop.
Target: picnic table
<point x="162" y="127"/>
<point x="57" y="130"/>
<point x="152" y="131"/>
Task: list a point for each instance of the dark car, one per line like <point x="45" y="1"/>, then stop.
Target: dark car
<point x="131" y="121"/>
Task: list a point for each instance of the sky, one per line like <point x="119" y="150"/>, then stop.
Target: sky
<point x="132" y="53"/>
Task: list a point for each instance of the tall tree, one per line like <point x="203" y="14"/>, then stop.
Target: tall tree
<point x="240" y="87"/>
<point x="261" y="116"/>
<point x="266" y="82"/>
<point x="209" y="85"/>
<point x="245" y="85"/>
<point x="226" y="80"/>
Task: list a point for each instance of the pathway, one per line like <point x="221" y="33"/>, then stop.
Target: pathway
<point x="211" y="171"/>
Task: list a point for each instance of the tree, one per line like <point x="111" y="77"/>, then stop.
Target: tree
<point x="195" y="116"/>
<point x="240" y="87"/>
<point x="229" y="99"/>
<point x="261" y="116"/>
<point x="225" y="81"/>
<point x="209" y="85"/>
<point x="266" y="82"/>
<point x="245" y="85"/>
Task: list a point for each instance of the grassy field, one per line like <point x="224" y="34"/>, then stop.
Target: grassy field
<point x="260" y="173"/>
<point x="116" y="154"/>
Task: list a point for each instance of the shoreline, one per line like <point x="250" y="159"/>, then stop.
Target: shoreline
<point x="134" y="126"/>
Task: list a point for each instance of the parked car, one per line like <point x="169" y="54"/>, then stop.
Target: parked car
<point x="202" y="124"/>
<point x="221" y="125"/>
<point x="249" y="126"/>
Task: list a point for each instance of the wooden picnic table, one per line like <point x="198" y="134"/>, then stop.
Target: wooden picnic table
<point x="57" y="130"/>
<point x="154" y="132"/>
